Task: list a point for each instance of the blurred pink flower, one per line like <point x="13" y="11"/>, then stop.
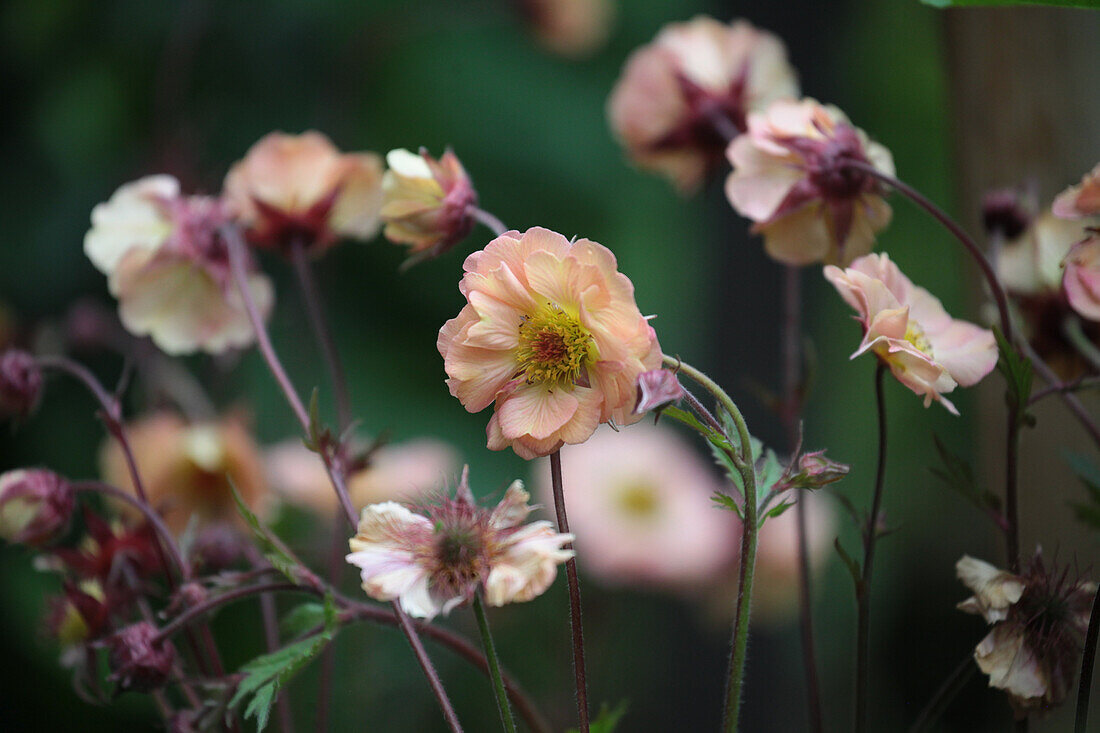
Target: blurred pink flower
<point x="791" y="176"/>
<point x="639" y="503"/>
<point x="1030" y="265"/>
<point x="907" y="328"/>
<point x="301" y="187"/>
<point x="169" y="269"/>
<point x="572" y="28"/>
<point x="403" y="472"/>
<point x="552" y="335"/>
<point x="1081" y="278"/>
<point x="426" y="202"/>
<point x="1080" y="200"/>
<point x="435" y="561"/>
<point x="775" y="598"/>
<point x="665" y="105"/>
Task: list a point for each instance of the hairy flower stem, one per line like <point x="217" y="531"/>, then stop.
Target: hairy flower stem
<point x="947" y="692"/>
<point x="486" y="219"/>
<point x="494" y="666"/>
<point x="1088" y="661"/>
<point x="575" y="628"/>
<point x="236" y="248"/>
<point x="863" y="588"/>
<point x="743" y="460"/>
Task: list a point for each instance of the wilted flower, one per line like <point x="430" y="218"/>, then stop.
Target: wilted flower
<point x="187" y="469"/>
<point x="572" y="28"/>
<point x="656" y="389"/>
<point x="1081" y="278"/>
<point x="907" y="328"/>
<point x="426" y="202"/>
<point x="640" y="504"/>
<point x="169" y="268"/>
<point x="138" y="659"/>
<point x="402" y="472"/>
<point x="35" y="506"/>
<point x="552" y="335"/>
<point x="1080" y="200"/>
<point x="20" y="383"/>
<point x="300" y="189"/>
<point x="437" y="560"/>
<point x="679" y="97"/>
<point x="1039" y="620"/>
<point x="792" y="175"/>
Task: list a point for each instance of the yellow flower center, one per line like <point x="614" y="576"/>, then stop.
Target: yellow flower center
<point x="638" y="500"/>
<point x="554" y="348"/>
<point x="914" y="334"/>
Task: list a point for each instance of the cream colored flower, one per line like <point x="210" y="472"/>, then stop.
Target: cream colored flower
<point x="994" y="589"/>
<point x="1031" y="264"/>
<point x="1081" y="200"/>
<point x="426" y="202"/>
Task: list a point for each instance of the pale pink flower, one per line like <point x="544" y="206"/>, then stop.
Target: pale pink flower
<point x="1081" y="200"/>
<point x="552" y="335"/>
<point x="426" y="202"/>
<point x="792" y="176"/>
<point x="907" y="328"/>
<point x="677" y="95"/>
<point x="572" y="28"/>
<point x="640" y="504"/>
<point x="1030" y="265"/>
<point x="403" y="472"/>
<point x="432" y="562"/>
<point x="169" y="268"/>
<point x="657" y="388"/>
<point x="777" y="563"/>
<point x="301" y="187"/>
<point x="1081" y="278"/>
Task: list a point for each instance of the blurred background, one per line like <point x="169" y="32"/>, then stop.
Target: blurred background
<point x="98" y="94"/>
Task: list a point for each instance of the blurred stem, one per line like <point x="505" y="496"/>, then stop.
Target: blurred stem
<point x="1012" y="509"/>
<point x="863" y="588"/>
<point x="947" y="692"/>
<point x="1088" y="661"/>
<point x="1072" y="401"/>
<point x="494" y="666"/>
<point x="237" y="253"/>
<point x="486" y="219"/>
<point x="1071" y="329"/>
<point x="575" y="627"/>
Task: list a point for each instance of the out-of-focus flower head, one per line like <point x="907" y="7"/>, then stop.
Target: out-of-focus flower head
<point x="1039" y="620"/>
<point x="402" y="472"/>
<point x="187" y="469"/>
<point x="678" y="95"/>
<point x="1006" y="212"/>
<point x="433" y="561"/>
<point x="656" y="389"/>
<point x="792" y="175"/>
<point x="1081" y="200"/>
<point x="1081" y="276"/>
<point x="104" y="550"/>
<point x="907" y="328"/>
<point x="571" y="28"/>
<point x="169" y="268"/>
<point x="640" y="505"/>
<point x="138" y="659"/>
<point x="80" y="614"/>
<point x="777" y="562"/>
<point x="552" y="335"/>
<point x="20" y="383"/>
<point x="300" y="189"/>
<point x="426" y="202"/>
<point x="35" y="506"/>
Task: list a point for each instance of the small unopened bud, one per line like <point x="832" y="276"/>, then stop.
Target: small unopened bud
<point x="138" y="660"/>
<point x="656" y="389"/>
<point x="816" y="470"/>
<point x="217" y="547"/>
<point x="20" y="383"/>
<point x="35" y="506"/>
<point x="1004" y="213"/>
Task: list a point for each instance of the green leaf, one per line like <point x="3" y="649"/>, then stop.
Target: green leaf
<point x="1094" y="4"/>
<point x="727" y="502"/>
<point x="957" y="474"/>
<point x="775" y="511"/>
<point x="265" y="675"/>
<point x="1018" y="372"/>
<point x="302" y="619"/>
<point x="607" y="720"/>
<point x="274" y="550"/>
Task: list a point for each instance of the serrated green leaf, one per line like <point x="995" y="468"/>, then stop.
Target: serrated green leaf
<point x="1018" y="372"/>
<point x="1094" y="4"/>
<point x="777" y="510"/>
<point x="302" y="619"/>
<point x="607" y="720"/>
<point x="274" y="550"/>
<point x="726" y="501"/>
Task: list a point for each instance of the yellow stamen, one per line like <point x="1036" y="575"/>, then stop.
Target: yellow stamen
<point x="914" y="334"/>
<point x="553" y="348"/>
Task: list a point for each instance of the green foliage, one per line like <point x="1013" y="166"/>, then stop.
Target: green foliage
<point x="265" y="675"/>
<point x="303" y="619"/>
<point x="1094" y="4"/>
<point x="274" y="550"/>
<point x="607" y="721"/>
<point x="1018" y="372"/>
<point x="1087" y="512"/>
<point x="956" y="473"/>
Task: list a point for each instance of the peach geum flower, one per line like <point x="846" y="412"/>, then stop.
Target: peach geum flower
<point x="433" y="561"/>
<point x="552" y="336"/>
<point x="186" y="469"/>
<point x="571" y="28"/>
<point x="640" y="505"/>
<point x="301" y="189"/>
<point x="169" y="268"/>
<point x="1081" y="276"/>
<point x="664" y="107"/>
<point x="907" y="328"/>
<point x="1080" y="200"/>
<point x="791" y="176"/>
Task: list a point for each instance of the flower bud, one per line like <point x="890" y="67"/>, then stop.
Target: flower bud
<point x="138" y="660"/>
<point x="35" y="506"/>
<point x="1003" y="212"/>
<point x="815" y="470"/>
<point x="656" y="389"/>
<point x="426" y="202"/>
<point x="20" y="383"/>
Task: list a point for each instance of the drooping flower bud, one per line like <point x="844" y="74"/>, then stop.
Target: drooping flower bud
<point x="35" y="506"/>
<point x="816" y="470"/>
<point x="138" y="659"/>
<point x="656" y="389"/>
<point x="20" y="383"/>
<point x="426" y="202"/>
